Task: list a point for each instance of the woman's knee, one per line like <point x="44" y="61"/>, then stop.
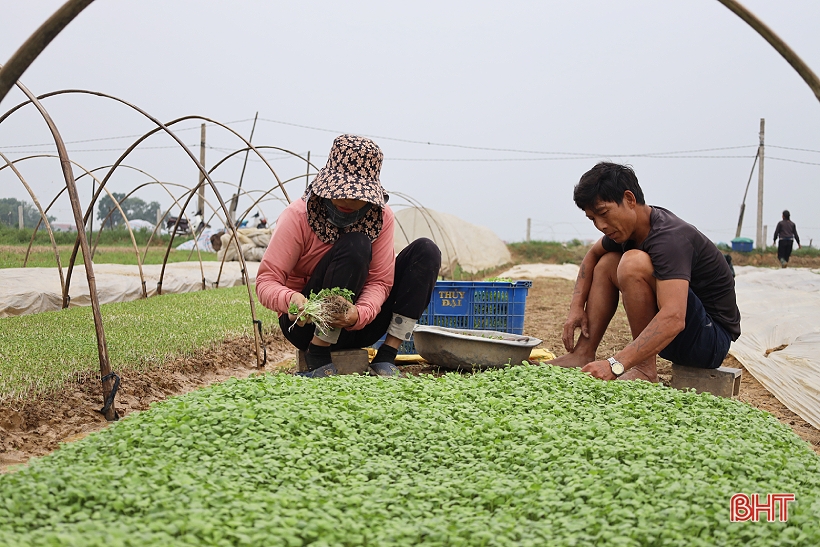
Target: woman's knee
<point x="423" y="251"/>
<point x="354" y="246"/>
<point x="429" y="251"/>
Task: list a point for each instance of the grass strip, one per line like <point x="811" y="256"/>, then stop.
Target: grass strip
<point x="520" y="456"/>
<point x="116" y="236"/>
<point x="43" y="257"/>
<point x="40" y="352"/>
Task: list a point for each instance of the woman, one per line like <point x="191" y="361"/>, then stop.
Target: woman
<point x="340" y="234"/>
<point x="787" y="232"/>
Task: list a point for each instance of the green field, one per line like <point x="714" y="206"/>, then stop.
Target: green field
<point x="115" y="247"/>
<point x="41" y="352"/>
<point x="43" y="257"/>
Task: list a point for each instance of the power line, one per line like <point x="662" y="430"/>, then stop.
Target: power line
<point x="278" y="156"/>
<point x="792" y="161"/>
<point x="555" y="156"/>
<point x="559" y="159"/>
<point x="74" y="151"/>
<point x="492" y="149"/>
<point x="108" y="138"/>
<point x="789" y="148"/>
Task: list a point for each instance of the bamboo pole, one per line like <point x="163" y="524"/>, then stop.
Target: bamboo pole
<point x="110" y="381"/>
<point x="201" y="186"/>
<point x="37" y="42"/>
<point x="777" y="43"/>
<point x="235" y="201"/>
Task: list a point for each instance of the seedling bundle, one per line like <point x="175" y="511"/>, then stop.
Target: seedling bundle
<point x="322" y="307"/>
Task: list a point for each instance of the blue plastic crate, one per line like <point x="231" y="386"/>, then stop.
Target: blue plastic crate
<point x="742" y="244"/>
<point x="480" y="305"/>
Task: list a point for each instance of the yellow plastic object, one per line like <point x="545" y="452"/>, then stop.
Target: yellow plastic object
<point x="535" y="355"/>
<point x="541" y="355"/>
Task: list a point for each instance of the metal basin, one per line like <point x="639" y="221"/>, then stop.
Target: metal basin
<point x="466" y="349"/>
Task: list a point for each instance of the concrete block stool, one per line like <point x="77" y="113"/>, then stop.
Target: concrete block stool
<point x="721" y="381"/>
<point x="347" y="361"/>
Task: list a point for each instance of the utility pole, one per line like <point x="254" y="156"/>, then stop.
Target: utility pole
<point x="529" y="225"/>
<point x="201" y="204"/>
<point x="20" y="222"/>
<point x="760" y="244"/>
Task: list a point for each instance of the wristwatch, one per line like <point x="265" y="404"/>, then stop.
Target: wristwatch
<point x="616" y="366"/>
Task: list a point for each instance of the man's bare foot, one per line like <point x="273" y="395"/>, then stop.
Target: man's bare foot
<point x="642" y="371"/>
<point x="571" y="360"/>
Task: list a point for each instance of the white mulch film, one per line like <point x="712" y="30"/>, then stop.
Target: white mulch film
<point x="781" y="307"/>
<point x="34" y="290"/>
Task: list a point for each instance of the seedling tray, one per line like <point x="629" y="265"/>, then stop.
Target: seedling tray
<point x="470" y="349"/>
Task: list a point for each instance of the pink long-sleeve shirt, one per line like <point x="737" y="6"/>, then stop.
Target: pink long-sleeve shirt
<point x="295" y="250"/>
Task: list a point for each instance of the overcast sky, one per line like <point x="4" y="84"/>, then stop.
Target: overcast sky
<point x="552" y="86"/>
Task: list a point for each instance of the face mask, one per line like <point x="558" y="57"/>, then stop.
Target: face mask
<point x="343" y="220"/>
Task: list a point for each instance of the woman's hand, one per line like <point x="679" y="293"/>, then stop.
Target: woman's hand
<point x="346" y="318"/>
<point x="298" y="300"/>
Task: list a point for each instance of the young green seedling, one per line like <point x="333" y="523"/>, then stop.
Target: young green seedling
<point x="322" y="307"/>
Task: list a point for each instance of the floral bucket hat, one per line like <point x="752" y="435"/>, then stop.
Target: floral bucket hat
<point x="352" y="172"/>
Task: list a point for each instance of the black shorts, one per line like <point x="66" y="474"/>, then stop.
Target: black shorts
<point x="703" y="343"/>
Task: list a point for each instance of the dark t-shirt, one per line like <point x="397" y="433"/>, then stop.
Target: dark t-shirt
<point x="786" y="230"/>
<point x="679" y="251"/>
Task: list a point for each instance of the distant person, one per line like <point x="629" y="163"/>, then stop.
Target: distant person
<point x="677" y="288"/>
<point x="787" y="232"/>
<point x="340" y="234"/>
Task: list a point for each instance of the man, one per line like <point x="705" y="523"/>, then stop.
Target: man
<point x="677" y="288"/>
<point x="340" y="234"/>
<point x="787" y="232"/>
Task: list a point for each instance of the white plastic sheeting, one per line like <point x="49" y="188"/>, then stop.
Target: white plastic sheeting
<point x="474" y="248"/>
<point x="33" y="290"/>
<point x="529" y="271"/>
<point x="252" y="243"/>
<point x="781" y="307"/>
<point x="202" y="242"/>
<point x="139" y="224"/>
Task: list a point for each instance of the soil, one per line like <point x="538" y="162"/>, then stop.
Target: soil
<point x="37" y="426"/>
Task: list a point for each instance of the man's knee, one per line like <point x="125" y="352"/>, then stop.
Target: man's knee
<point x="634" y="265"/>
<point x="606" y="268"/>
